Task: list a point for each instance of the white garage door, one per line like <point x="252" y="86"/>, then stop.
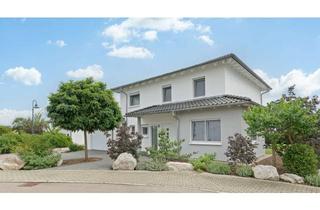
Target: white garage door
<point x="98" y="141"/>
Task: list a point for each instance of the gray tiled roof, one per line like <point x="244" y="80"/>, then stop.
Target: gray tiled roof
<point x="201" y="103"/>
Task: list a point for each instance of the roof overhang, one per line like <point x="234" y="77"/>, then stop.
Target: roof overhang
<point x="230" y="59"/>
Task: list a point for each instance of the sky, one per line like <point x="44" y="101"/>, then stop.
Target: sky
<point x="37" y="54"/>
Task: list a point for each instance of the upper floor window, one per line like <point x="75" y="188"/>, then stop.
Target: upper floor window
<point x="199" y="86"/>
<point x="135" y="99"/>
<point x="166" y="94"/>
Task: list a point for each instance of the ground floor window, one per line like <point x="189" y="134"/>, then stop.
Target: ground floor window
<point x="206" y="130"/>
<point x="145" y="131"/>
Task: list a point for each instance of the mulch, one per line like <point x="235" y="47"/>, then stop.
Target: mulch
<point x="80" y="160"/>
<point x="268" y="161"/>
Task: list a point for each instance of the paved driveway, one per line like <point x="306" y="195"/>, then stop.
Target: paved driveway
<point x="104" y="164"/>
<point x="143" y="181"/>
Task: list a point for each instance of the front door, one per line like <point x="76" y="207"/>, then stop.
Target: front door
<point x="154" y="136"/>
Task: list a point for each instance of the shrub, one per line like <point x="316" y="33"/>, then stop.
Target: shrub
<point x="300" y="159"/>
<point x="56" y="139"/>
<point x="240" y="149"/>
<point x="8" y="142"/>
<point x="125" y="142"/>
<point x="168" y="150"/>
<point x="313" y="180"/>
<point x="216" y="167"/>
<point x="244" y="170"/>
<point x="4" y="130"/>
<point x="34" y="161"/>
<point x="152" y="165"/>
<point x="76" y="147"/>
<point x="201" y="163"/>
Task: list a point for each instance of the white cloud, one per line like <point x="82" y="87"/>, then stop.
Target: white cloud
<point x="203" y="29"/>
<point x="131" y="52"/>
<point x="95" y="71"/>
<point x="26" y="76"/>
<point x="150" y="35"/>
<point x="8" y="115"/>
<point x="132" y="27"/>
<point x="59" y="43"/>
<point x="206" y="39"/>
<point x="307" y="84"/>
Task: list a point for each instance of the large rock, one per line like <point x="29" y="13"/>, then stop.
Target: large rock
<point x="179" y="166"/>
<point x="125" y="161"/>
<point x="292" y="178"/>
<point x="11" y="162"/>
<point x="61" y="150"/>
<point x="265" y="172"/>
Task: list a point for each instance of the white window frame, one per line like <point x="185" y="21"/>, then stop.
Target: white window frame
<point x="193" y="87"/>
<point x="132" y="94"/>
<point x="165" y="86"/>
<point x="205" y="141"/>
<point x="148" y="130"/>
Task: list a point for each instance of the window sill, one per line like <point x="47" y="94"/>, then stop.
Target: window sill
<point x="205" y="143"/>
<point x="134" y="106"/>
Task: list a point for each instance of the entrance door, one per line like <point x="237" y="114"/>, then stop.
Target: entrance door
<point x="154" y="136"/>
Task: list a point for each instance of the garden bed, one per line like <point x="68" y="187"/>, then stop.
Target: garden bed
<point x="80" y="160"/>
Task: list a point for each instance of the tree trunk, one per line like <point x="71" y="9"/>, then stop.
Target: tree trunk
<point x="274" y="153"/>
<point x="85" y="146"/>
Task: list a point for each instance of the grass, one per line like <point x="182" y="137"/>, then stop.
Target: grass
<point x="268" y="151"/>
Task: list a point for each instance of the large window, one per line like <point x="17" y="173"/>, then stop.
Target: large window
<point x="135" y="99"/>
<point x="206" y="130"/>
<point x="166" y="94"/>
<point x="199" y="86"/>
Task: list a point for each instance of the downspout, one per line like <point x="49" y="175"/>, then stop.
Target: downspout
<point x="261" y="94"/>
<point x="174" y="115"/>
<point x="121" y="91"/>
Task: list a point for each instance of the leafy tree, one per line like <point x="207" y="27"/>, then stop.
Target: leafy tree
<point x="25" y="124"/>
<point x="84" y="105"/>
<point x="125" y="141"/>
<point x="284" y="121"/>
<point x="4" y="129"/>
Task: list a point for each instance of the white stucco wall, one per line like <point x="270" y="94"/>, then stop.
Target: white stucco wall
<point x="238" y="84"/>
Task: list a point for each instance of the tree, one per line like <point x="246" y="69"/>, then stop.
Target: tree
<point x="284" y="121"/>
<point x="125" y="141"/>
<point x="84" y="105"/>
<point x="25" y="124"/>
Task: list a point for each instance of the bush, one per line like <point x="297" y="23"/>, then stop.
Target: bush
<point x="75" y="147"/>
<point x="300" y="159"/>
<point x="216" y="167"/>
<point x="201" y="163"/>
<point x="168" y="150"/>
<point x="124" y="142"/>
<point x="36" y="153"/>
<point x="152" y="165"/>
<point x="4" y="130"/>
<point x="56" y="139"/>
<point x="34" y="161"/>
<point x="240" y="149"/>
<point x="313" y="180"/>
<point x="9" y="141"/>
<point x="244" y="170"/>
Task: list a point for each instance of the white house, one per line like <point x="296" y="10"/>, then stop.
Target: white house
<point x="202" y="104"/>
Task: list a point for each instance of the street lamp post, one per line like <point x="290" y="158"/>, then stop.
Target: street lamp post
<point x="34" y="106"/>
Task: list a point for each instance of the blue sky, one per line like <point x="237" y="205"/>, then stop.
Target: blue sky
<point x="37" y="54"/>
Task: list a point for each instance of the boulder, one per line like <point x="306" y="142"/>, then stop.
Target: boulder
<point x="59" y="163"/>
<point x="61" y="150"/>
<point x="125" y="161"/>
<point x="265" y="172"/>
<point x="11" y="162"/>
<point x="292" y="178"/>
<point x="179" y="166"/>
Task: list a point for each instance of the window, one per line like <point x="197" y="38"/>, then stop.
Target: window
<point x="166" y="93"/>
<point x="206" y="130"/>
<point x="135" y="99"/>
<point x="133" y="129"/>
<point x="199" y="87"/>
<point x="145" y="131"/>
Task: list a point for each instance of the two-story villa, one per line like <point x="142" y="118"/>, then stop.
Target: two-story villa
<point x="202" y="104"/>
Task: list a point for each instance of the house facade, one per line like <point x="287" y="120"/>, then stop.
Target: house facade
<point x="201" y="104"/>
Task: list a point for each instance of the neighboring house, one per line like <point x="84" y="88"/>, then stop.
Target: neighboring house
<point x="202" y="104"/>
